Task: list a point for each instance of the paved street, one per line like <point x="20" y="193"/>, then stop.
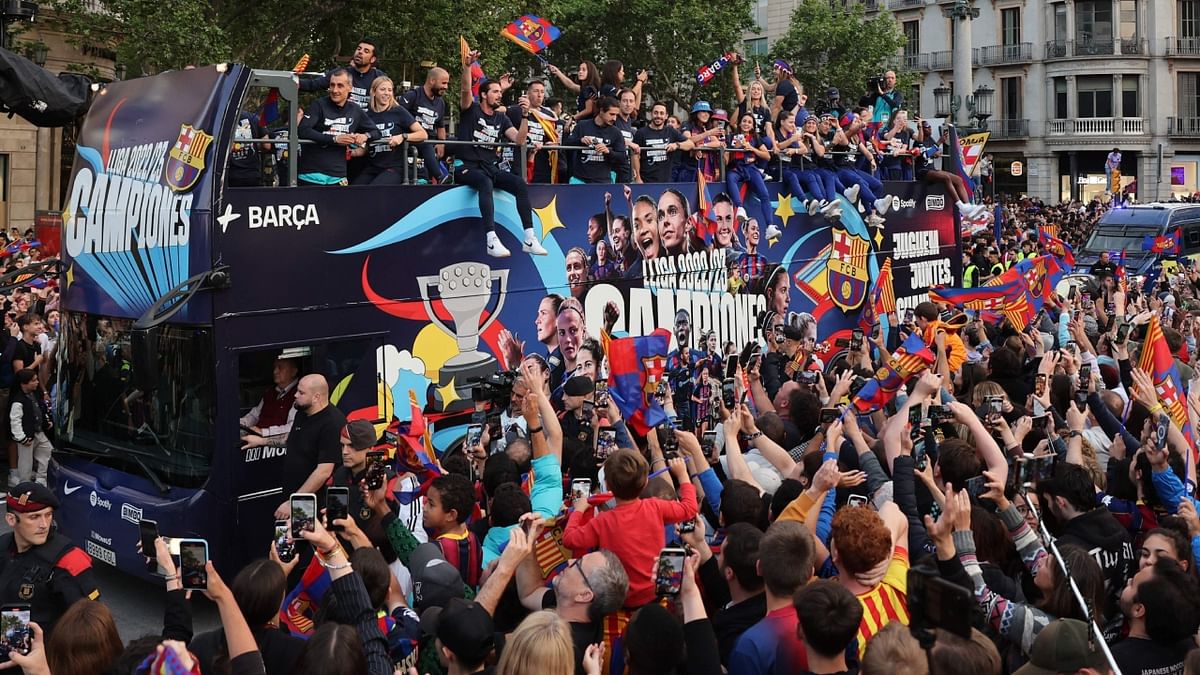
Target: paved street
<point x="138" y="605"/>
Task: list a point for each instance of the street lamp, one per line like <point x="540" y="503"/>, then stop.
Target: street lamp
<point x="38" y="53"/>
<point x="942" y="101"/>
<point x="12" y="11"/>
<point x="982" y="103"/>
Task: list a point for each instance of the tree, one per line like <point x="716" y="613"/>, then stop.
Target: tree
<point x="830" y="45"/>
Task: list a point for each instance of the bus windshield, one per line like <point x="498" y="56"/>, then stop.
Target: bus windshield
<point x="162" y="431"/>
<point x="1118" y="238"/>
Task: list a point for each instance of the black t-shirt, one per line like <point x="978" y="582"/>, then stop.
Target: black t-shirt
<point x="323" y="122"/>
<point x="536" y="133"/>
<point x="314" y="439"/>
<point x="590" y="165"/>
<point x="655" y="160"/>
<point x="585" y="92"/>
<point x="431" y="113"/>
<point x="243" y="157"/>
<point x="25" y="353"/>
<point x="391" y="122"/>
<point x="762" y="115"/>
<point x="1138" y="656"/>
<point x="791" y="98"/>
<point x="360" y="84"/>
<point x="481" y="127"/>
<point x="583" y="635"/>
<point x="625" y="169"/>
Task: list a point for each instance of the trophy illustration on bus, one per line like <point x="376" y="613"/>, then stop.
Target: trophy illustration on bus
<point x="465" y="289"/>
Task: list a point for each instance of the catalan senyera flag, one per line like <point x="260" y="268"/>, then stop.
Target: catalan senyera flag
<point x="910" y="359"/>
<point x="549" y="124"/>
<point x="1156" y="359"/>
<point x="882" y="300"/>
<point x="531" y="33"/>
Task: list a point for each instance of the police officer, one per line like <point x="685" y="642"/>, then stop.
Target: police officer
<point x="38" y="566"/>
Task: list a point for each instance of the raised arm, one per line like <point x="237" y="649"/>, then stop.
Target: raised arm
<point x="464" y="93"/>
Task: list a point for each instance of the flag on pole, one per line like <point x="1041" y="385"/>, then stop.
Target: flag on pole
<point x="1164" y="243"/>
<point x="1156" y="359"/>
<point x="957" y="164"/>
<point x="531" y="33"/>
<point x="882" y="299"/>
<point x="636" y="366"/>
<point x="910" y="359"/>
<point x="1057" y="247"/>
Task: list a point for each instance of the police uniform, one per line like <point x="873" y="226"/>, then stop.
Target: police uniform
<point x="50" y="577"/>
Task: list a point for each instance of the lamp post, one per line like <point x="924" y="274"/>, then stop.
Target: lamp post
<point x="960" y="15"/>
<point x="12" y="11"/>
<point x="38" y="53"/>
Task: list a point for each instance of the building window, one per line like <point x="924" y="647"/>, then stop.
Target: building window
<point x="1129" y="96"/>
<point x="1060" y="98"/>
<point x="1189" y="94"/>
<point x="1060" y="22"/>
<point x="1189" y="18"/>
<point x="912" y="38"/>
<point x="914" y="102"/>
<point x="760" y="14"/>
<point x="1093" y="22"/>
<point x="756" y="47"/>
<point x="1010" y="26"/>
<point x="1129" y="22"/>
<point x="1010" y="98"/>
<point x="1094" y="95"/>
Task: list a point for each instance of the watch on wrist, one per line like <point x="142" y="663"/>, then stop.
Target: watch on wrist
<point x="1075" y="432"/>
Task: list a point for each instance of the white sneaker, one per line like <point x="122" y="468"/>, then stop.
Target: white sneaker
<point x="495" y="248"/>
<point x="531" y="245"/>
<point x="882" y="205"/>
<point x="741" y="215"/>
<point x="773" y="232"/>
<point x="851" y="193"/>
<point x="981" y="210"/>
<point x="965" y="209"/>
<point x="833" y="215"/>
<point x="875" y="220"/>
<point x="830" y="206"/>
<point x="813" y="206"/>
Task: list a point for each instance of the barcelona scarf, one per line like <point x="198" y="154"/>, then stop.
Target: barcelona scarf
<point x="1156" y="360"/>
<point x="549" y="124"/>
<point x="300" y="607"/>
<point x="912" y="358"/>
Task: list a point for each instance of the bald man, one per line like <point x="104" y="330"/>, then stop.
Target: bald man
<point x="314" y="446"/>
<point x="428" y="105"/>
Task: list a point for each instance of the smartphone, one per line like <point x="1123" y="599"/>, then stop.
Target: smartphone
<point x="1160" y="431"/>
<point x="920" y="457"/>
<point x="1085" y="375"/>
<point x="606" y="443"/>
<point x="376" y="469"/>
<point x="1039" y="385"/>
<point x="940" y="413"/>
<point x="728" y="394"/>
<point x="1041" y="468"/>
<point x="688" y="526"/>
<point x="858" y="384"/>
<point x="934" y="602"/>
<point x="915" y="416"/>
<point x="148" y="530"/>
<point x="17" y="635"/>
<point x="670" y="443"/>
<point x="474" y="435"/>
<point x="602" y="393"/>
<point x="193" y="556"/>
<point x="708" y="441"/>
<point x="856" y="500"/>
<point x="304" y="513"/>
<point x="581" y="488"/>
<point x="589" y="410"/>
<point x="830" y="415"/>
<point x="1073" y="348"/>
<point x="1081" y="397"/>
<point x="731" y="368"/>
<point x="976" y="486"/>
<point x="285" y="548"/>
<point x="337" y="506"/>
<point x="995" y="405"/>
<point x="1072" y="292"/>
<point x="856" y="339"/>
<point x="1122" y="334"/>
<point x="668" y="571"/>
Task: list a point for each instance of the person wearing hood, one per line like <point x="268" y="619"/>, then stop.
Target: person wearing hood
<point x="1071" y="513"/>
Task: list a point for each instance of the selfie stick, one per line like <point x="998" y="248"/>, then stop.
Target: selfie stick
<point x="1062" y="565"/>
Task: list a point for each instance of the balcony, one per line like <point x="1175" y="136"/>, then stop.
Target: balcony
<point x="1000" y="55"/>
<point x="904" y="4"/>
<point x="1097" y="126"/>
<point x="1188" y="46"/>
<point x="1134" y="47"/>
<point x="1062" y="49"/>
<point x="1058" y="49"/>
<point x="1002" y="129"/>
<point x="870" y="5"/>
<point x="941" y="60"/>
<point x="915" y="62"/>
<point x="1187" y="127"/>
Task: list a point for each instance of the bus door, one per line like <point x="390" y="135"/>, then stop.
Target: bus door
<point x="266" y="388"/>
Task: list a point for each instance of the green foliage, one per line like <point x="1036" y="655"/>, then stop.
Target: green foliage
<point x="838" y="47"/>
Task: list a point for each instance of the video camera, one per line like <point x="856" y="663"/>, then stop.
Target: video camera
<point x="874" y="84"/>
<point x="495" y="389"/>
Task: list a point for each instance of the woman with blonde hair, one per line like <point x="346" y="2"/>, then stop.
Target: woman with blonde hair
<point x="542" y="644"/>
<point x="396" y="125"/>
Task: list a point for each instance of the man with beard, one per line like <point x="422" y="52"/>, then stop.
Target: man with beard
<point x="627" y="100"/>
<point x="659" y="142"/>
<point x="544" y="128"/>
<point x="333" y="122"/>
<point x="362" y="73"/>
<point x="314" y="445"/>
<point x="1161" y="604"/>
<point x="604" y="149"/>
<point x="428" y="105"/>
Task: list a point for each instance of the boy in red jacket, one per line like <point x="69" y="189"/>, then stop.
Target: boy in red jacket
<point x="634" y="529"/>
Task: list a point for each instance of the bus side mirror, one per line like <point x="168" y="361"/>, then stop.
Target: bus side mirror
<point x="144" y="344"/>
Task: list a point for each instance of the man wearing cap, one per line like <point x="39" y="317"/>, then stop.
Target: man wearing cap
<point x="1065" y="646"/>
<point x="314" y="443"/>
<point x="39" y="567"/>
<point x="465" y="635"/>
<point x="358" y="439"/>
<point x="269" y="422"/>
<point x="885" y="99"/>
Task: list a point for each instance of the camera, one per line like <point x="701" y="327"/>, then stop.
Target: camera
<point x="495" y="389"/>
<point x="874" y="84"/>
<point x="376" y="469"/>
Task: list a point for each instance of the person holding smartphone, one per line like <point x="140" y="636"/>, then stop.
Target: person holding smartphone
<point x="314" y="442"/>
<point x="358" y="438"/>
<point x="41" y="567"/>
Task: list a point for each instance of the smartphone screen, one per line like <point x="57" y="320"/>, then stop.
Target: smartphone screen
<point x="285" y="548"/>
<point x="1160" y="431"/>
<point x="16" y="635"/>
<point x="581" y="488"/>
<point x="914" y="416"/>
<point x="856" y="339"/>
<point x="830" y="415"/>
<point x="337" y="506"/>
<point x="589" y="409"/>
<point x="976" y="486"/>
<point x="1039" y="385"/>
<point x="474" y="434"/>
<point x="1085" y="375"/>
<point x="376" y="470"/>
<point x="731" y="368"/>
<point x="856" y="500"/>
<point x="708" y="441"/>
<point x="668" y="572"/>
<point x="193" y="556"/>
<point x="920" y="458"/>
<point x="148" y="530"/>
<point x="995" y="405"/>
<point x="1122" y="333"/>
<point x="304" y="513"/>
<point x="727" y="393"/>
<point x="602" y="393"/>
<point x="606" y="443"/>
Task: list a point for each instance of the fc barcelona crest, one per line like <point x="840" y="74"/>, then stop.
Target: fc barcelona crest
<point x="185" y="161"/>
<point x="847" y="276"/>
